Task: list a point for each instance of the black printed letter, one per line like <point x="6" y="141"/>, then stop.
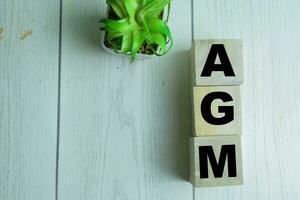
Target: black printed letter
<point x="206" y="153"/>
<point x="227" y="110"/>
<point x="210" y="66"/>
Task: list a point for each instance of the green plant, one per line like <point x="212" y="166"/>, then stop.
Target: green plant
<point x="136" y="23"/>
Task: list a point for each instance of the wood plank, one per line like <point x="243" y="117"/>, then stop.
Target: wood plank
<point x="28" y="98"/>
<point x="124" y="127"/>
<point x="270" y="33"/>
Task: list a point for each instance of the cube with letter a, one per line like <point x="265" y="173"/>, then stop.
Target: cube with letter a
<point x="217" y="62"/>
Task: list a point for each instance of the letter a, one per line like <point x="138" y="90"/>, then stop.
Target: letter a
<point x="210" y="64"/>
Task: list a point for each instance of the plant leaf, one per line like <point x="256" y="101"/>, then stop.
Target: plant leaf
<point x="138" y="39"/>
<point x="122" y="25"/>
<point x="127" y="43"/>
<point x="112" y="35"/>
<point x="157" y="26"/>
<point x="122" y="6"/>
<point x="160" y="40"/>
<point x="131" y="7"/>
<point x="154" y="7"/>
<point x="117" y="8"/>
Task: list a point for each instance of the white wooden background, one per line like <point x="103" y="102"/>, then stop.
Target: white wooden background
<point x="77" y="123"/>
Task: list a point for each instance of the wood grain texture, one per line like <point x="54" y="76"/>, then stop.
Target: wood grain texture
<point x="124" y="127"/>
<point x="270" y="93"/>
<point x="28" y="98"/>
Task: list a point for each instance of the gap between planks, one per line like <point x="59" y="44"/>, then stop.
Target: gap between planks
<point x="193" y="37"/>
<point x="58" y="98"/>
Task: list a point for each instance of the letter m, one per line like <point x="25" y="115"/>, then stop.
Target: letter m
<point x="207" y="153"/>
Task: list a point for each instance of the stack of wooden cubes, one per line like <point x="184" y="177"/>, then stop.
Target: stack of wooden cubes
<point x="215" y="148"/>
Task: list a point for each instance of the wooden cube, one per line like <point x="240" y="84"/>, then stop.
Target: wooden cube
<point x="217" y="110"/>
<point x="217" y="62"/>
<point x="216" y="161"/>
